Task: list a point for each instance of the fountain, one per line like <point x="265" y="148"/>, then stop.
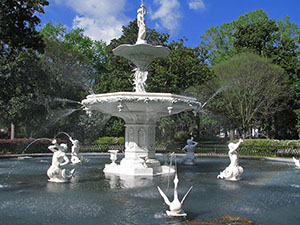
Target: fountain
<point x="269" y="190"/>
<point x="140" y="109"/>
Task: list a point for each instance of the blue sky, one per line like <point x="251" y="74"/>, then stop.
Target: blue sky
<point x="103" y="19"/>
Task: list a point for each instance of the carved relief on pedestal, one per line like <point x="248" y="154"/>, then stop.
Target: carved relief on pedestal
<point x="141" y="138"/>
<point x="130" y="138"/>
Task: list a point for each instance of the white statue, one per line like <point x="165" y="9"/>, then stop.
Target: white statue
<point x="189" y="158"/>
<point x="175" y="206"/>
<point x="57" y="172"/>
<point x="75" y="157"/>
<point x="141" y="12"/>
<point x="297" y="162"/>
<point x="140" y="78"/>
<point x="233" y="171"/>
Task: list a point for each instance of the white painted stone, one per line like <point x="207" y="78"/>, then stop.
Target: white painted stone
<point x="232" y="172"/>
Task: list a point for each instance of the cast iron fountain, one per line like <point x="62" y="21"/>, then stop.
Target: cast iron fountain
<point x="140" y="109"/>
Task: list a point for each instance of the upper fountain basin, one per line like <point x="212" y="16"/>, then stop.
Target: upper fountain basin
<point x="141" y="54"/>
<point x="140" y="107"/>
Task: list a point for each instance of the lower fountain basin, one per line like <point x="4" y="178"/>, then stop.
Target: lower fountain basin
<point x="268" y="193"/>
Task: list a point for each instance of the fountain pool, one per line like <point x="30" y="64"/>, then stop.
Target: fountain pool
<point x="268" y="193"/>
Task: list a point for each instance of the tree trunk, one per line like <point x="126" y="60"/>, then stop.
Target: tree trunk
<point x="12" y="131"/>
<point x="250" y="133"/>
<point x="231" y="134"/>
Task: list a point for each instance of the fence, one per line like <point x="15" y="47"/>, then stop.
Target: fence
<point x="208" y="149"/>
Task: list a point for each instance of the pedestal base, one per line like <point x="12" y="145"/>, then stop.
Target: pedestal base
<point x="134" y="168"/>
<point x="173" y="214"/>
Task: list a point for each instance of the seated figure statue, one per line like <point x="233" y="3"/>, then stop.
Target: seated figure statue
<point x="233" y="171"/>
<point x="75" y="157"/>
<point x="189" y="158"/>
<point x="57" y="172"/>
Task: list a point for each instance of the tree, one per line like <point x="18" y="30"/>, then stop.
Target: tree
<point x="277" y="40"/>
<point x="252" y="88"/>
<point x="72" y="61"/>
<point x="17" y="26"/>
<point x="20" y="45"/>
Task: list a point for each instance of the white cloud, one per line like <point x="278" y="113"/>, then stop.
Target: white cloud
<point x="97" y="30"/>
<point x="196" y="4"/>
<point x="168" y="13"/>
<point x="100" y="19"/>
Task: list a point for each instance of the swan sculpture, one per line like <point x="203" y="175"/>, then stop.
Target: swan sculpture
<point x="175" y="206"/>
<point x="297" y="162"/>
<point x="233" y="171"/>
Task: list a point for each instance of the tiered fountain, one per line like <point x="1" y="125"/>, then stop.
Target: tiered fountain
<point x="140" y="109"/>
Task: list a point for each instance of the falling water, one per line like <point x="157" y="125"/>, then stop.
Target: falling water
<point x="214" y="95"/>
<point x="55" y="117"/>
<point x="56" y="99"/>
<point x="39" y="139"/>
<point x="172" y="157"/>
<point x="62" y="133"/>
<point x="59" y="114"/>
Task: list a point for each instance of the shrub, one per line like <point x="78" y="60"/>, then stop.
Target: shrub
<point x="17" y="145"/>
<point x="266" y="147"/>
<point x="110" y="141"/>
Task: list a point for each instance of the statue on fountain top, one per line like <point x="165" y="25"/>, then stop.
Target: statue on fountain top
<point x="233" y="171"/>
<point x="57" y="172"/>
<point x="189" y="158"/>
<point x="141" y="12"/>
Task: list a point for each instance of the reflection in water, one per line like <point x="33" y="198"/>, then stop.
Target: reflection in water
<point x="229" y="185"/>
<point x="127" y="181"/>
<point x="57" y="187"/>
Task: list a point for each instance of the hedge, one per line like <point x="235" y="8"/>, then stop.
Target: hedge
<point x="18" y="145"/>
<point x="269" y="147"/>
<point x="110" y="141"/>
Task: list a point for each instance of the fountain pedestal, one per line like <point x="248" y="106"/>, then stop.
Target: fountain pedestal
<point x="140" y="111"/>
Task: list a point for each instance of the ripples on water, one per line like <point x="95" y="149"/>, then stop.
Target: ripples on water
<point x="268" y="194"/>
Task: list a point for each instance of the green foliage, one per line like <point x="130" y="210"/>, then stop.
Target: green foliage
<point x="266" y="147"/>
<point x="277" y="40"/>
<point x="110" y="140"/>
<point x="251" y="87"/>
<point x="21" y="79"/>
<point x="115" y="127"/>
<point x="184" y="67"/>
<point x="17" y="26"/>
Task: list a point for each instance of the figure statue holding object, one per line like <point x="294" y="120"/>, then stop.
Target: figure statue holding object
<point x="57" y="172"/>
<point x="141" y="12"/>
<point x="233" y="171"/>
<point x="75" y="157"/>
<point x="189" y="158"/>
